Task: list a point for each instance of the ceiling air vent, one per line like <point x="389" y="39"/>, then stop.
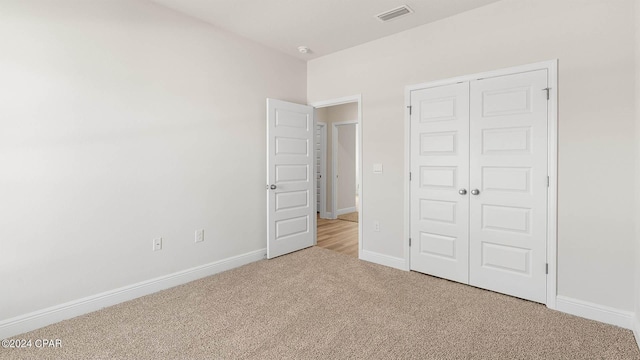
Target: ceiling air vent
<point x="394" y="13"/>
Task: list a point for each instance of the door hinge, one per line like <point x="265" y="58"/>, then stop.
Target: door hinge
<point x="546" y="268"/>
<point x="547" y="181"/>
<point x="409" y="241"/>
<point x="547" y="90"/>
<point x="409" y="176"/>
<point x="410" y="108"/>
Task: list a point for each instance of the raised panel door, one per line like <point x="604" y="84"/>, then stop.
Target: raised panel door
<point x="440" y="169"/>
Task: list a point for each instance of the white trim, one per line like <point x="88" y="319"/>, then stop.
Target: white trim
<point x="334" y="162"/>
<point x="552" y="162"/>
<point x="407" y="178"/>
<point x="37" y="319"/>
<point x="345" y="210"/>
<point x="382" y="259"/>
<point x="361" y="190"/>
<point x="488" y="74"/>
<point x="345" y="100"/>
<point x="552" y="192"/>
<point x="338" y="101"/>
<point x="323" y="170"/>
<point x="595" y="312"/>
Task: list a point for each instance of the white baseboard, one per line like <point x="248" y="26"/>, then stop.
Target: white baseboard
<point x="54" y="314"/>
<point x="382" y="259"/>
<point x="345" y="211"/>
<point x="596" y="312"/>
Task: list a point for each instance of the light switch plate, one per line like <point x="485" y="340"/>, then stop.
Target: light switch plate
<point x="157" y="244"/>
<point x="377" y="168"/>
<point x="199" y="236"/>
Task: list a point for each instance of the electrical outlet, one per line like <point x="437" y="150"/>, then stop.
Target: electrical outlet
<point x="199" y="236"/>
<point x="376" y="226"/>
<point x="157" y="244"/>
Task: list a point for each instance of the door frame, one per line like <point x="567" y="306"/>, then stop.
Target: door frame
<point x="323" y="170"/>
<point x="340" y="101"/>
<point x="334" y="162"/>
<point x="552" y="160"/>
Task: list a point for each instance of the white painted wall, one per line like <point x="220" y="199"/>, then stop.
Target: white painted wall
<point x="121" y="121"/>
<point x="594" y="42"/>
<point x="329" y="115"/>
<point x="346" y="180"/>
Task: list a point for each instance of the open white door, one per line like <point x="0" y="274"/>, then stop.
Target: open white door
<point x="291" y="216"/>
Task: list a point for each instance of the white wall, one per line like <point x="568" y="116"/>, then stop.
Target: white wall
<point x="593" y="40"/>
<point x="346" y="166"/>
<point x="329" y="115"/>
<point x="121" y="121"/>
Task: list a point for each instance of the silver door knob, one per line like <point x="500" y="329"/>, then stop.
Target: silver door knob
<point x="273" y="187"/>
<point x="462" y="191"/>
<point x="475" y="192"/>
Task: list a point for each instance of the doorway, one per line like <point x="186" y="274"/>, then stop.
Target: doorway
<point x="344" y="188"/>
<point x="291" y="187"/>
<point x="339" y="219"/>
<point x="321" y="169"/>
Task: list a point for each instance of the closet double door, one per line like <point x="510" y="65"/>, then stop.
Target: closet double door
<point x="479" y="183"/>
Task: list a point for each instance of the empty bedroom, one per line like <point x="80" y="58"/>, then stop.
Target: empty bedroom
<point x="336" y="179"/>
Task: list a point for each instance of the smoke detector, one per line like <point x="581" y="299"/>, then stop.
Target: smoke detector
<point x="394" y="13"/>
<point x="304" y="49"/>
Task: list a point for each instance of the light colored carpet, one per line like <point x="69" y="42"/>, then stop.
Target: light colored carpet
<point x="318" y="304"/>
<point x="352" y="216"/>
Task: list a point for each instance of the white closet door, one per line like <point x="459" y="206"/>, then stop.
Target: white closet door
<point x="440" y="174"/>
<point x="508" y="169"/>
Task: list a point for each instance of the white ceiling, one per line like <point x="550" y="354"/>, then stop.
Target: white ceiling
<point x="325" y="26"/>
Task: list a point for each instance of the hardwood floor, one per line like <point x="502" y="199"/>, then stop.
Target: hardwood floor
<point x="338" y="235"/>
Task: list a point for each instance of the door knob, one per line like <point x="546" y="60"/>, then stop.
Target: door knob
<point x="273" y="187"/>
<point x="475" y="192"/>
<point x="462" y="191"/>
